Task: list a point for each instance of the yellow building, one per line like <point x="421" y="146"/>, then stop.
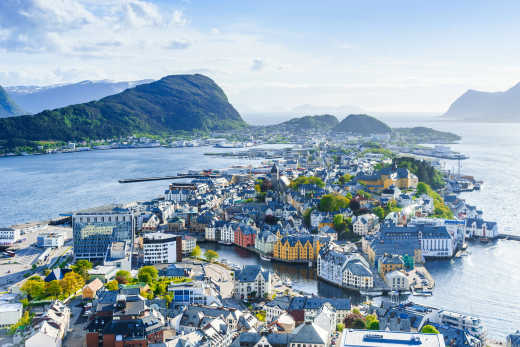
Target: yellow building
<point x="386" y="177"/>
<point x="297" y="248"/>
<point x="389" y="263"/>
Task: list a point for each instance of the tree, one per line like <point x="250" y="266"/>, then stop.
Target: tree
<point x="421" y="189"/>
<point x="123" y="277"/>
<point x="112" y="285"/>
<point x="169" y="299"/>
<point x="340" y="327"/>
<point x="53" y="288"/>
<point x="351" y="318"/>
<point x="46" y="272"/>
<point x="34" y="287"/>
<point x="81" y="267"/>
<point x="379" y="212"/>
<point x="339" y="223"/>
<point x="210" y="255"/>
<point x="345" y="179"/>
<point x="372" y="322"/>
<point x="147" y="274"/>
<point x="307" y="217"/>
<point x="429" y="329"/>
<point x="197" y="252"/>
<point x="358" y="323"/>
<point x="71" y="283"/>
<point x="333" y="202"/>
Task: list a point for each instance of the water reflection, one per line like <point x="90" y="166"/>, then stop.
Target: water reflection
<point x="303" y="278"/>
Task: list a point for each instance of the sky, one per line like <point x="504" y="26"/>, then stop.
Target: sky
<point x="272" y="56"/>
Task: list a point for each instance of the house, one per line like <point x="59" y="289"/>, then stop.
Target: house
<point x="265" y="241"/>
<point x="298" y="248"/>
<point x="90" y="290"/>
<point x="365" y="224"/>
<point x="276" y="307"/>
<point x="50" y="328"/>
<point x="479" y="228"/>
<point x="397" y="280"/>
<point x="401" y="178"/>
<point x="252" y="281"/>
<point x="390" y="262"/>
<point x="244" y="236"/>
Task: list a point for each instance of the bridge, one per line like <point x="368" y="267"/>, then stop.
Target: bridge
<point x="162" y="178"/>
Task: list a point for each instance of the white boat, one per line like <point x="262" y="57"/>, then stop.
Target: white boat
<point x="227" y="243"/>
<point x="264" y="258"/>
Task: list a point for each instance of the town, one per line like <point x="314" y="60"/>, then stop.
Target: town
<point x="364" y="216"/>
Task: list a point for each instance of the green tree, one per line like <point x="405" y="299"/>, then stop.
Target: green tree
<point x="34" y="287"/>
<point x="71" y="283"/>
<point x="53" y="288"/>
<point x="339" y="223"/>
<point x="345" y="179"/>
<point x="340" y="327"/>
<point x="307" y="217"/>
<point x="379" y="212"/>
<point x="333" y="202"/>
<point x="147" y="274"/>
<point x="123" y="277"/>
<point x="197" y="252"/>
<point x="46" y="272"/>
<point x="112" y="285"/>
<point x="358" y="323"/>
<point x="429" y="329"/>
<point x="210" y="255"/>
<point x="81" y="267"/>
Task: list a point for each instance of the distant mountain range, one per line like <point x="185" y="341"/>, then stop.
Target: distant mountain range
<point x="479" y="106"/>
<point x="8" y="107"/>
<point x="34" y="99"/>
<point x="362" y="124"/>
<point x="177" y="102"/>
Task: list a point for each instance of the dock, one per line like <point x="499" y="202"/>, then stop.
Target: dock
<point x="508" y="237"/>
<point x="162" y="178"/>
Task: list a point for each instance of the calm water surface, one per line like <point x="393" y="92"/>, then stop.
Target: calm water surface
<point x="485" y="283"/>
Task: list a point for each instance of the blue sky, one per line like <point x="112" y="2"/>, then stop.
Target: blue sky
<point x="395" y="56"/>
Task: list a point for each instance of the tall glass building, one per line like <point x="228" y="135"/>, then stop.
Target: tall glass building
<point x="95" y="230"/>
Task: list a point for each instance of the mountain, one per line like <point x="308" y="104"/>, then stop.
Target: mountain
<point x="425" y="135"/>
<point x="361" y="124"/>
<point x="177" y="102"/>
<point x="35" y="99"/>
<point x="320" y="123"/>
<point x="480" y="106"/>
<point x="8" y="107"/>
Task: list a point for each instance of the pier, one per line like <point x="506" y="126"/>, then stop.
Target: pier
<point x="508" y="237"/>
<point x="162" y="178"/>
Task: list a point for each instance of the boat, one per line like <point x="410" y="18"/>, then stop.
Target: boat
<point x="264" y="258"/>
<point x="370" y="293"/>
<point x="227" y="243"/>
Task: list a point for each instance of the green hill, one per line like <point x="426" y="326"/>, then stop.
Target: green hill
<point x="319" y="123"/>
<point x="8" y="107"/>
<point x="176" y="102"/>
<point x="362" y="124"/>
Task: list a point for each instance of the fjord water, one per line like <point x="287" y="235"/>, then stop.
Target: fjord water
<point x="486" y="283"/>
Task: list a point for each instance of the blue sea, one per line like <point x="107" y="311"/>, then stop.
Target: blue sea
<point x="486" y="283"/>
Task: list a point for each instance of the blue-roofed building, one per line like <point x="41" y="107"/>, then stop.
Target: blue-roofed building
<point x="252" y="282"/>
<point x="513" y="340"/>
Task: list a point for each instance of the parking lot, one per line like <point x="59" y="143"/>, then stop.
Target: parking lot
<point x="12" y="269"/>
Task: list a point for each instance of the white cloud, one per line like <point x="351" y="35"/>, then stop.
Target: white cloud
<point x="178" y="18"/>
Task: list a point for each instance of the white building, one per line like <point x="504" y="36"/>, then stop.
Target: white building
<point x="348" y="270"/>
<point x="252" y="281"/>
<point x="50" y="239"/>
<point x="365" y="224"/>
<point x="188" y="244"/>
<point x="161" y="248"/>
<point x="51" y="328"/>
<point x="9" y="236"/>
<point x="10" y="313"/>
<point x="397" y="280"/>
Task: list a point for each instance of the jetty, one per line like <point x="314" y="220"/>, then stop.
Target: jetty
<point x="162" y="178"/>
<point x="508" y="237"/>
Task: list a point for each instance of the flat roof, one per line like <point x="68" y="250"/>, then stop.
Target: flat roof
<point x="375" y="338"/>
